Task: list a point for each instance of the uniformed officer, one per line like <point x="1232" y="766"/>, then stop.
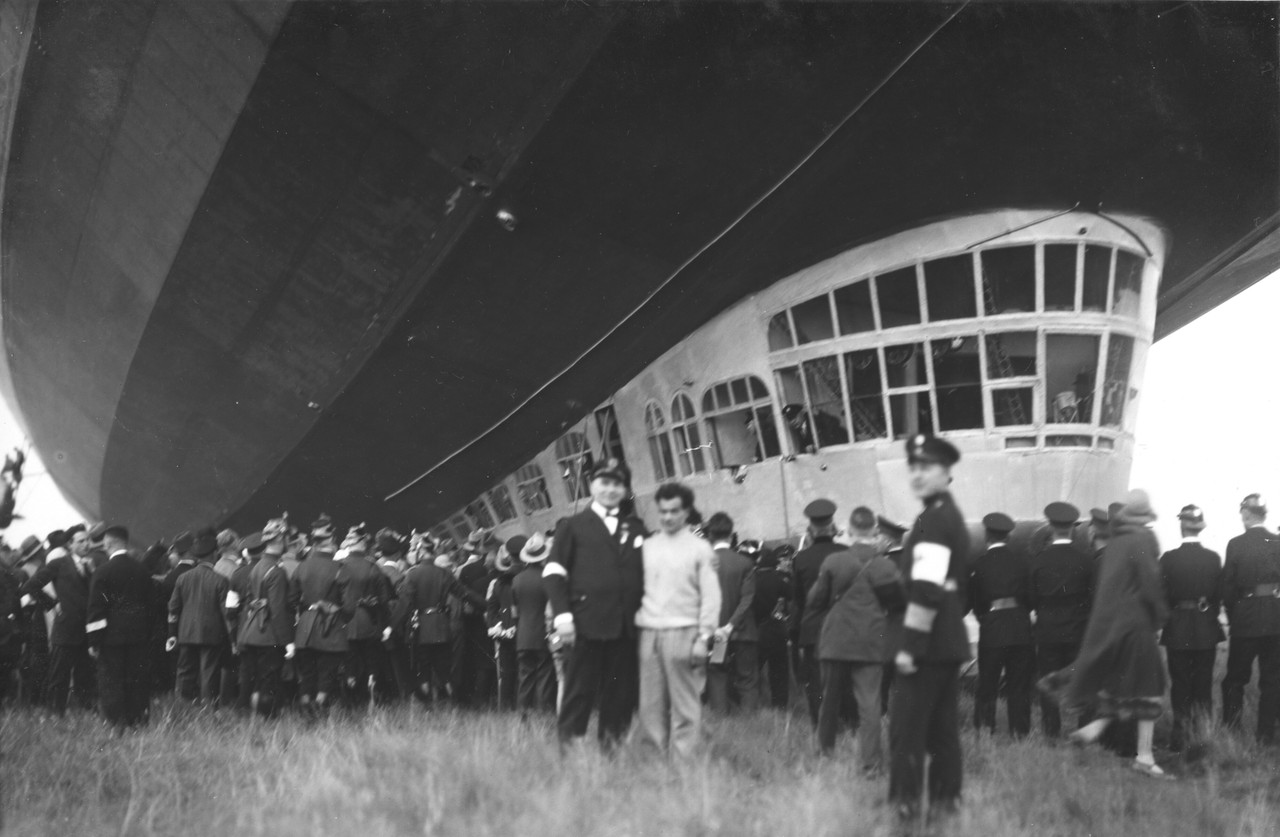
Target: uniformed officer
<point x="536" y="690"/>
<point x="326" y="603"/>
<point x="924" y="716"/>
<point x="1061" y="594"/>
<point x="197" y="627"/>
<point x="1251" y="593"/>
<point x="371" y="623"/>
<point x="1192" y="576"/>
<point x="999" y="594"/>
<point x="33" y="666"/>
<point x="422" y="614"/>
<point x="122" y="597"/>
<point x="395" y="680"/>
<point x="736" y="675"/>
<point x="808" y="624"/>
<point x="62" y="585"/>
<point x="263" y="623"/>
<point x="891" y="534"/>
<point x="473" y="664"/>
<point x="772" y="604"/>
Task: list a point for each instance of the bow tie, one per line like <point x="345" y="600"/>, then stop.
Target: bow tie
<point x="610" y="512"/>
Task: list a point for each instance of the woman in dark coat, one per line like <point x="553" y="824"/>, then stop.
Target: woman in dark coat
<point x="1119" y="671"/>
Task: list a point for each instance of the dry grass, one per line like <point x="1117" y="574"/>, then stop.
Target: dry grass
<point x="405" y="771"/>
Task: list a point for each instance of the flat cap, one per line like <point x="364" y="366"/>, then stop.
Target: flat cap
<point x="252" y="543"/>
<point x="612" y="468"/>
<point x="924" y="447"/>
<point x="1192" y="514"/>
<point x="998" y="522"/>
<point x="890" y="527"/>
<point x="1061" y="514"/>
<point x="820" y="511"/>
<point x="1254" y="503"/>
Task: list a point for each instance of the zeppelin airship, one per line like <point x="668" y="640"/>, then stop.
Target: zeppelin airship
<point x="415" y="264"/>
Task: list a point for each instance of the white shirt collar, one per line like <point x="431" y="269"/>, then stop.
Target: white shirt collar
<point x="722" y="545"/>
<point x="118" y="552"/>
<point x="1062" y="540"/>
<point x="602" y="512"/>
<point x="1191" y="539"/>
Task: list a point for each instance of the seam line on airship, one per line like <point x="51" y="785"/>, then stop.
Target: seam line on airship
<point x="701" y="250"/>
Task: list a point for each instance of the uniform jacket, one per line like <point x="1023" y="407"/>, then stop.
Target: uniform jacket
<point x="196" y="607"/>
<point x="122" y="599"/>
<point x="1192" y="577"/>
<point x="475" y="576"/>
<point x="11" y="582"/>
<point x="1253" y="558"/>
<point x="424" y="600"/>
<point x="499" y="603"/>
<point x="1002" y="572"/>
<point x="596" y="576"/>
<point x="373" y="595"/>
<point x="530" y="599"/>
<point x="70" y="600"/>
<point x="808" y="562"/>
<point x="856" y="588"/>
<point x="1119" y="654"/>
<point x="737" y="577"/>
<point x="326" y="603"/>
<point x="1061" y="592"/>
<point x="265" y="618"/>
<point x="933" y="627"/>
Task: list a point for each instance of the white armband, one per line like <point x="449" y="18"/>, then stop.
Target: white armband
<point x="929" y="562"/>
<point x="919" y="618"/>
<point x="95" y="626"/>
<point x="553" y="568"/>
<point x="27" y="601"/>
<point x="233" y="599"/>
<point x="562" y="619"/>
<point x="50" y="592"/>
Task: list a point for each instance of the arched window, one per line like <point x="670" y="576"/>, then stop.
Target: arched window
<point x="690" y="450"/>
<point x="655" y="427"/>
<point x="739" y="414"/>
<point x="570" y="450"/>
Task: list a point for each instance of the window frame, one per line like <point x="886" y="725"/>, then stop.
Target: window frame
<point x="656" y="436"/>
<point x="544" y="491"/>
<point x="753" y="405"/>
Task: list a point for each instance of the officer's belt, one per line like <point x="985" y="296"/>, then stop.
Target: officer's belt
<point x="1006" y="603"/>
<point x="1272" y="589"/>
<point x="1201" y="604"/>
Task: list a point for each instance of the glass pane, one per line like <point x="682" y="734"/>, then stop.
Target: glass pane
<point x="911" y="413"/>
<point x="653" y="419"/>
<point x="948" y="284"/>
<point x="739" y="389"/>
<point x="813" y="320"/>
<point x="610" y="435"/>
<point x="795" y="410"/>
<point x="826" y="400"/>
<point x="758" y="391"/>
<point x="722" y="396"/>
<point x="768" y="432"/>
<point x="570" y="444"/>
<point x="1097" y="269"/>
<point x="1012" y="407"/>
<point x="1060" y="277"/>
<point x="853" y="308"/>
<point x="1009" y="281"/>
<point x="689" y="449"/>
<point x="1128" y="291"/>
<point x="957" y="375"/>
<point x="1071" y="364"/>
<point x="1011" y="354"/>
<point x="733" y="437"/>
<point x="1068" y="441"/>
<point x="479" y="512"/>
<point x="899" y="298"/>
<point x="1115" y="391"/>
<point x="664" y="467"/>
<point x="779" y="332"/>
<point x="532" y="489"/>
<point x="905" y="365"/>
<point x="866" y="407"/>
<point x="708" y="402"/>
<point x="500" y="500"/>
<point x="681" y="408"/>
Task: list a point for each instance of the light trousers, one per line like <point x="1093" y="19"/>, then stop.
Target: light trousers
<point x="671" y="690"/>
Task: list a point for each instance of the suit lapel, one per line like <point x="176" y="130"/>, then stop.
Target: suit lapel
<point x="603" y="529"/>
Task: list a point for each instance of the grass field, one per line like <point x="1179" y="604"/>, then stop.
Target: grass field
<point x="406" y="771"/>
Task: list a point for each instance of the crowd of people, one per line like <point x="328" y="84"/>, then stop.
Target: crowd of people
<point x="605" y="615"/>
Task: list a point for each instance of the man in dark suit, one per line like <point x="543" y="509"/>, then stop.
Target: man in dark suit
<point x="772" y="603"/>
<point x="122" y="597"/>
<point x="62" y="585"/>
<point x="326" y="602"/>
<point x="473" y="664"/>
<point x="1251" y="593"/>
<point x="1192" y="576"/>
<point x="808" y="622"/>
<point x="395" y="679"/>
<point x="370" y="625"/>
<point x="263" y="622"/>
<point x="595" y="580"/>
<point x="536" y="674"/>
<point x="1000" y="597"/>
<point x="738" y="670"/>
<point x="197" y="629"/>
<point x="1061" y="594"/>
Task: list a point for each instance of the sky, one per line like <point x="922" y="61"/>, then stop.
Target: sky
<point x="1206" y="409"/>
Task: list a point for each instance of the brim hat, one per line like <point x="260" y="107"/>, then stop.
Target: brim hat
<point x="504" y="563"/>
<point x="998" y="522"/>
<point x="275" y="529"/>
<point x="182" y="543"/>
<point x="97" y="532"/>
<point x="1099" y="517"/>
<point x="252" y="543"/>
<point x="322" y="527"/>
<point x="1192" y="517"/>
<point x="535" y="549"/>
<point x="476" y="541"/>
<point x="227" y="539"/>
<point x="204" y="544"/>
<point x="390" y="542"/>
<point x="515" y="545"/>
<point x="1137" y="507"/>
<point x="57" y="538"/>
<point x="612" y="468"/>
<point x="1061" y="514"/>
<point x="355" y="543"/>
<point x="1254" y="503"/>
<point x="820" y="512"/>
<point x="890" y="527"/>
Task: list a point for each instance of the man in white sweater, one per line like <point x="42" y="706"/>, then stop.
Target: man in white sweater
<point x="678" y="614"/>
